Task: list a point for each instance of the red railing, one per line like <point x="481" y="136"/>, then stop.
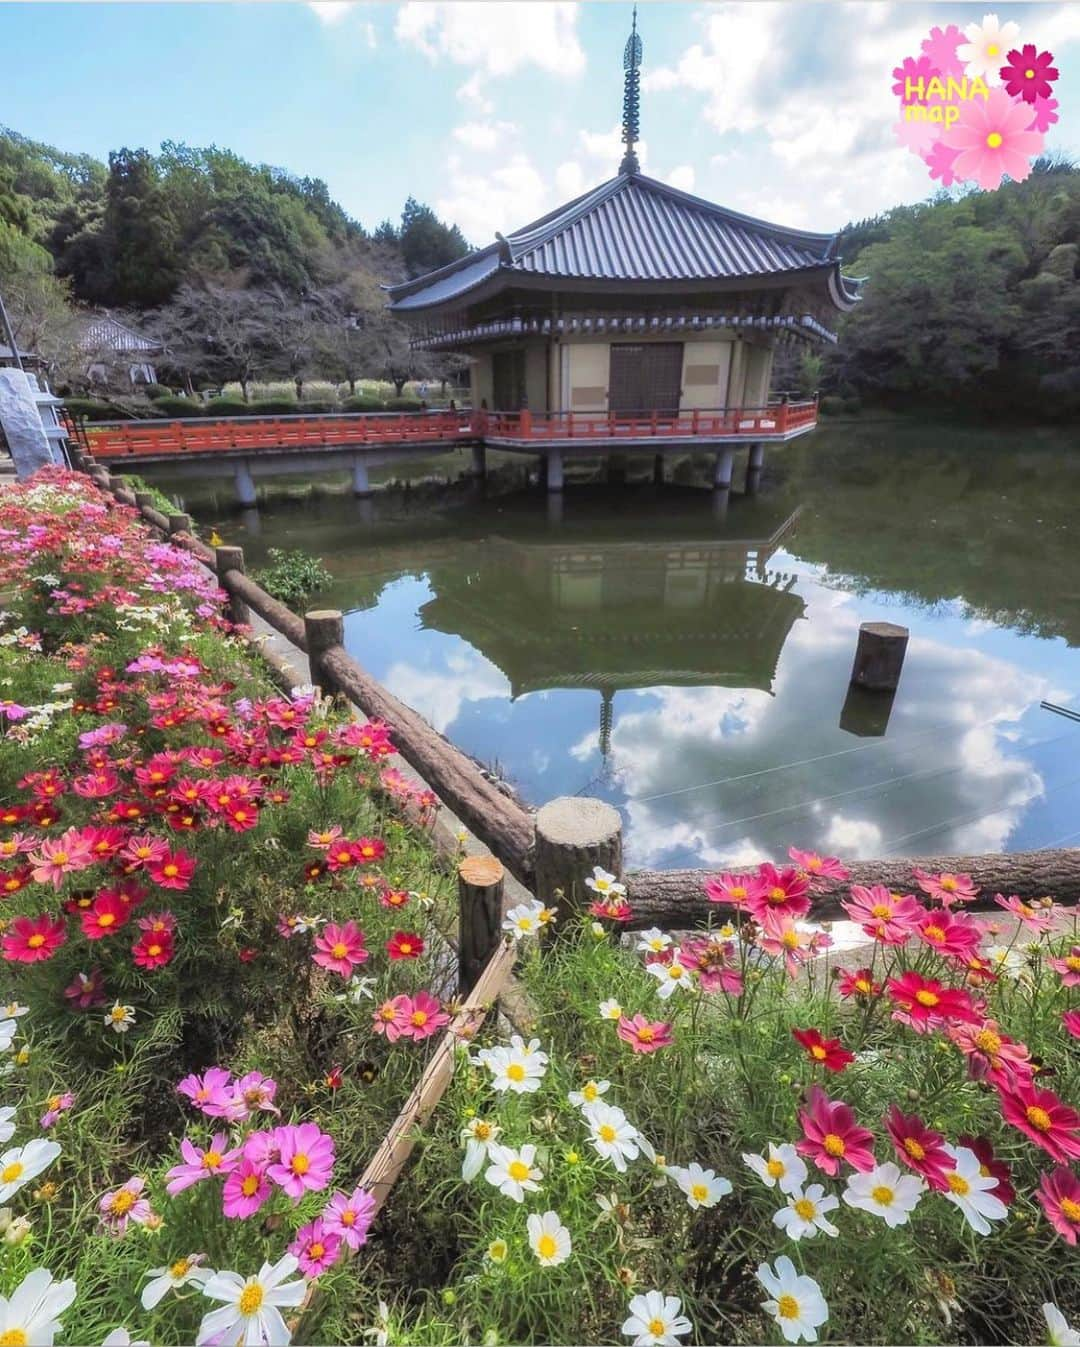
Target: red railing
<point x="156" y="439"/>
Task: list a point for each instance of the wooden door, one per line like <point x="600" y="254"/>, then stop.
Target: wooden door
<point x="645" y="377"/>
<point x="508" y="380"/>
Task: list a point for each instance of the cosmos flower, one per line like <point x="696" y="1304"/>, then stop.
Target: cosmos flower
<point x="31" y="1314"/>
<point x="795" y="1302"/>
<point x="512" y="1171"/>
<point x="783" y="1168"/>
<point x="885" y="1192"/>
<point x="644" y="1035"/>
<point x="826" y="1052"/>
<point x="1028" y="73"/>
<point x="972" y="1191"/>
<point x="549" y="1239"/>
<point x="184" y="1272"/>
<point x="350" y="1216"/>
<point x="831" y="1135"/>
<point x="703" y="1187"/>
<point x="986" y="45"/>
<point x="656" y="1320"/>
<point x="994" y="140"/>
<point x="1059" y="1196"/>
<point x="804" y="1214"/>
<point x="250" y="1313"/>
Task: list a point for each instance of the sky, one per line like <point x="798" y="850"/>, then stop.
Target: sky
<point x="496" y="112"/>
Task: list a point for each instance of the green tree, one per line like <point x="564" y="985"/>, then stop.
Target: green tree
<point x="140" y="235"/>
<point x="426" y="243"/>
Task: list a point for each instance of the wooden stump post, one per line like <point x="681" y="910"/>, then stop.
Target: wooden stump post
<point x="144" y="500"/>
<point x="179" y="523"/>
<point x="879" y="656"/>
<point x="573" y="836"/>
<point x="324" y="628"/>
<point x="480" y="913"/>
<point x="232" y="559"/>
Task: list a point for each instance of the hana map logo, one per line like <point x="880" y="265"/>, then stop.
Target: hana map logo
<point x="975" y="106"/>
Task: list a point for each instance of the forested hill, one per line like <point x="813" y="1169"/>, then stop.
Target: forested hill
<point x="972" y="302"/>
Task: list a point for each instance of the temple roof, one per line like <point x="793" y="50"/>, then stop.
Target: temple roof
<point x="633" y="230"/>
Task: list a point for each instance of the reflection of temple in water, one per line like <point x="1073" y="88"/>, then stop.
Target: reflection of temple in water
<point x="614" y="616"/>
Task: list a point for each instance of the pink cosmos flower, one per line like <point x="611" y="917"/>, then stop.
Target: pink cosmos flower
<point x="103" y="735"/>
<point x="1045" y="114"/>
<point x="173" y="870"/>
<point x="307" y="1160"/>
<point x="729" y="888"/>
<point x="993" y="139"/>
<point x="953" y="936"/>
<point x="211" y="1092"/>
<point x="391" y="1018"/>
<point x="924" y="1004"/>
<point x="1028" y="73"/>
<point x="818" y="867"/>
<point x="323" y="839"/>
<point x="87" y="990"/>
<point x="781" y="896"/>
<point x="1032" y="917"/>
<point x="423" y="1016"/>
<point x="946" y="888"/>
<point x="57" y="1104"/>
<point x="712" y="960"/>
<point x="340" y="949"/>
<point x="940" y="49"/>
<point x="644" y="1035"/>
<point x="105" y="916"/>
<point x="157" y="923"/>
<point x="33" y="939"/>
<point x="350" y="1217"/>
<point x="124" y="1204"/>
<point x="199" y="1164"/>
<point x="888" y="917"/>
<point x="61" y="856"/>
<point x="1068" y="966"/>
<point x="146" y="849"/>
<point x="1059" y="1197"/>
<point x="831" y="1135"/>
<point x="252" y="1093"/>
<point x="1043" y="1118"/>
<point x="246" y="1189"/>
<point x="919" y="1147"/>
<point x="913" y="68"/>
<point x="1071" y="1020"/>
<point x="794" y="944"/>
<point x="991" y="1053"/>
<point x="315" y="1247"/>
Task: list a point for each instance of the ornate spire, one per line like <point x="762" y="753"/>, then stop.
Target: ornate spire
<point x="631" y="105"/>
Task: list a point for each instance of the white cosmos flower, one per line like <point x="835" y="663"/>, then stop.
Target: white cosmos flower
<point x="31" y="1314"/>
<point x="796" y="1301"/>
<point x="703" y="1187"/>
<point x="517" y="1069"/>
<point x="13" y="1011"/>
<point x="250" y="1314"/>
<point x="987" y="44"/>
<point x="784" y="1169"/>
<point x="1058" y="1331"/>
<point x="171" y="1278"/>
<point x="513" y="1171"/>
<point x="885" y="1192"/>
<point x="970" y="1190"/>
<point x="23" y="1163"/>
<point x="671" y="976"/>
<point x="605" y="884"/>
<point x="589" y="1093"/>
<point x="120" y="1337"/>
<point x="476" y="1136"/>
<point x="7" y="1034"/>
<point x="549" y="1239"/>
<point x="804" y="1214"/>
<point x="656" y="1320"/>
<point x="357" y="989"/>
<point x="120" y="1018"/>
<point x="524" y="919"/>
<point x="614" y="1137"/>
<point x="653" y="941"/>
<point x="7" y="1127"/>
<point x="610" y="1009"/>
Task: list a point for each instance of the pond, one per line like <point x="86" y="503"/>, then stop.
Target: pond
<point x="690" y="662"/>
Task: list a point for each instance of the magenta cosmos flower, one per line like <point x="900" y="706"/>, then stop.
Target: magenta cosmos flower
<point x="246" y="1189"/>
<point x="124" y="1204"/>
<point x="315" y="1247"/>
<point x="1069" y="967"/>
<point x="946" y="887"/>
<point x="33" y="939"/>
<point x="423" y="1016"/>
<point x="252" y="1093"/>
<point x="57" y="1104"/>
<point x="888" y="917"/>
<point x="201" y="1164"/>
<point x="994" y="141"/>
<point x="1059" y="1196"/>
<point x="350" y="1217"/>
<point x="817" y="866"/>
<point x="306" y="1160"/>
<point x="831" y="1135"/>
<point x="391" y="1019"/>
<point x="1028" y="73"/>
<point x="339" y="949"/>
<point x="781" y="895"/>
<point x="210" y="1092"/>
<point x="644" y="1035"/>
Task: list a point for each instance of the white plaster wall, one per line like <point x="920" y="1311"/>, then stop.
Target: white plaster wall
<point x="701" y="357"/>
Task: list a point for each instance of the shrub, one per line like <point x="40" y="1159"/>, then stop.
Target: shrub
<point x="316" y="407"/>
<point x="363" y="402"/>
<point x="89" y="409"/>
<point x="852" y="406"/>
<point x="403" y="404"/>
<point x="171" y="405"/>
<point x="156" y="391"/>
<point x="274" y="407"/>
<point x="831" y="405"/>
<point x="293" y="575"/>
<point x="228" y="407"/>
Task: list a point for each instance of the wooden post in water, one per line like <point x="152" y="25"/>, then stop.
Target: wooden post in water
<point x="573" y="836"/>
<point x="324" y="628"/>
<point x="480" y="913"/>
<point x="232" y="559"/>
<point x="879" y="656"/>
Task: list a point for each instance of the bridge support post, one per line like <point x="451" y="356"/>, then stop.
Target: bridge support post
<point x="479" y="461"/>
<point x="721" y="499"/>
<point x="757" y="457"/>
<point x="360" y="485"/>
<point x="722" y="469"/>
<point x="245" y="483"/>
<point x="658" y="470"/>
<point x="554" y="470"/>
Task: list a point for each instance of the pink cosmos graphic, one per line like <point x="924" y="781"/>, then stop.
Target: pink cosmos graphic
<point x="940" y="49"/>
<point x="993" y="140"/>
<point x="1045" y="110"/>
<point x="940" y="160"/>
<point x="916" y="136"/>
<point x="913" y="68"/>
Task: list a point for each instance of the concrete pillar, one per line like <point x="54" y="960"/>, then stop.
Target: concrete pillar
<point x="722" y="469"/>
<point x="555" y="507"/>
<point x="757" y="457"/>
<point x="721" y="498"/>
<point x="479" y="461"/>
<point x="360" y="485"/>
<point x="245" y="483"/>
<point x="251" y="520"/>
<point x="554" y="470"/>
<point x="21" y="422"/>
<point x="658" y="470"/>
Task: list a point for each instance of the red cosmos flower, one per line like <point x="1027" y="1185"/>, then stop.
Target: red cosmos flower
<point x="1029" y="73"/>
<point x="33" y="939"/>
<point x="404" y="945"/>
<point x="781" y="895"/>
<point x="340" y="948"/>
<point x="248" y="955"/>
<point x="831" y="1135"/>
<point x="12" y="881"/>
<point x="393" y="897"/>
<point x="991" y="1053"/>
<point x="341" y="855"/>
<point x="105" y="915"/>
<point x="644" y="1035"/>
<point x="174" y="870"/>
<point x="818" y="867"/>
<point x="733" y="889"/>
<point x="946" y="888"/>
<point x="860" y="983"/>
<point x="1059" y="1197"/>
<point x="954" y="936"/>
<point x="924" y="1004"/>
<point x="241" y="816"/>
<point x="333" y="1078"/>
<point x="1043" y="1118"/>
<point x="991" y="1166"/>
<point x="314" y="870"/>
<point x="369" y="849"/>
<point x="12" y="814"/>
<point x="44" y="815"/>
<point x="1071" y="1020"/>
<point x="97" y="785"/>
<point x="153" y="949"/>
<point x="611" y="909"/>
<point x="88" y="989"/>
<point x="1069" y="967"/>
<point x="919" y="1147"/>
<point x="888" y="917"/>
<point x="826" y="1052"/>
<point x="146" y="849"/>
<point x="1032" y="917"/>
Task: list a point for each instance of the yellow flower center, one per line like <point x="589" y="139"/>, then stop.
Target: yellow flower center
<point x="777" y="895"/>
<point x="833" y="1144"/>
<point x="738" y="892"/>
<point x="992" y="49"/>
<point x="993" y="140"/>
<point x="36" y="940"/>
<point x="11" y="1172"/>
<point x="339" y="950"/>
<point x="171" y="870"/>
<point x="934" y="933"/>
<point x="13" y="1337"/>
<point x="54" y="1101"/>
<point x="1039" y="1118"/>
<point x="818" y="1052"/>
<point x="419" y="1018"/>
<point x="546" y="1246"/>
<point x="646" y="1034"/>
<point x="348" y="1217"/>
<point x="590" y="1092"/>
<point x="481" y="1131"/>
<point x="882" y="1196"/>
<point x="153" y="950"/>
<point x="122" y="1202"/>
<point x="249" y="1185"/>
<point x="60" y="858"/>
<point x="317" y="1250"/>
<point x="1070" y="1210"/>
<point x="118" y="1014"/>
<point x="107" y="919"/>
<point x="987" y="1041"/>
<point x="863" y="985"/>
<point x="211" y="1159"/>
<point x="657" y="1328"/>
<point x="300" y="1164"/>
<point x="790" y="939"/>
<point x="805" y="1208"/>
<point x="775" y="1169"/>
<point x="927" y="998"/>
<point x="251" y="1297"/>
<point x="180" y="1268"/>
<point x="959" y="1186"/>
<point x="518" y="1170"/>
<point x="699" y="1192"/>
<point x="787" y="1307"/>
<point x="1072" y="963"/>
<point x="515" y="1072"/>
<point x="914" y="1149"/>
<point x="606" y="1132"/>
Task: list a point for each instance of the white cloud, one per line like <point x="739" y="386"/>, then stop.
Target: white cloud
<point x="472" y="92"/>
<point x="499" y="39"/>
<point x="331" y="11"/>
<point x="371" y="35"/>
<point x="485" y="199"/>
<point x="440" y="693"/>
<point x="570" y="180"/>
<point x="483" y="136"/>
<point x="682" y="177"/>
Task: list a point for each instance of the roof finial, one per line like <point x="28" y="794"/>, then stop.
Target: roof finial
<point x="631" y="99"/>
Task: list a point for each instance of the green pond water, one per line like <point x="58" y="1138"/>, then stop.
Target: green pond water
<point x="690" y="662"/>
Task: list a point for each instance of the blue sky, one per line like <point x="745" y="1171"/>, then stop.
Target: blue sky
<point x="496" y="112"/>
